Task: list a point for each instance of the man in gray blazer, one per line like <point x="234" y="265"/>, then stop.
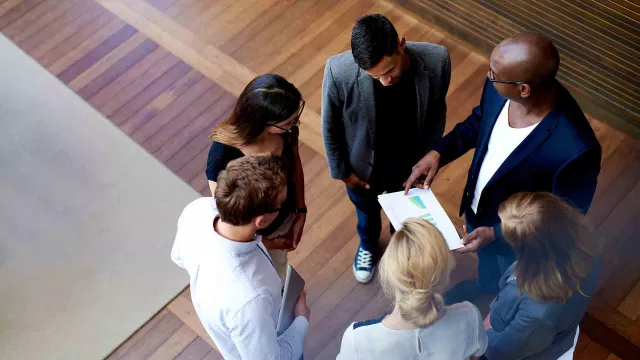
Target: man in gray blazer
<point x="383" y="106"/>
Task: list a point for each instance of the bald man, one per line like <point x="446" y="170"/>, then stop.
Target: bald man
<point x="529" y="135"/>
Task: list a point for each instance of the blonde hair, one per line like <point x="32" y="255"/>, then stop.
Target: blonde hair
<point x="417" y="264"/>
<point x="553" y="243"/>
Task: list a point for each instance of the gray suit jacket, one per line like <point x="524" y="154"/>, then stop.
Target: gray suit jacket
<point x="348" y="109"/>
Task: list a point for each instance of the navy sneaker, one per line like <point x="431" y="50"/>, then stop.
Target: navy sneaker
<point x="363" y="265"/>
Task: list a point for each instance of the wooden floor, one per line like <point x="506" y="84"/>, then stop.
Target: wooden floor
<point x="167" y="71"/>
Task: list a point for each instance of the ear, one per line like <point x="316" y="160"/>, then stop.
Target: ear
<point x="402" y="43"/>
<point x="258" y="221"/>
<point x="525" y="90"/>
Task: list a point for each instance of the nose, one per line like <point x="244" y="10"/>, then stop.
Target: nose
<point x="385" y="80"/>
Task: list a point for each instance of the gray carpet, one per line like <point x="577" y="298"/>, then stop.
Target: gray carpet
<point x="87" y="220"/>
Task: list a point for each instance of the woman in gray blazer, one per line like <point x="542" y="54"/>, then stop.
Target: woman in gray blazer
<point x="546" y="292"/>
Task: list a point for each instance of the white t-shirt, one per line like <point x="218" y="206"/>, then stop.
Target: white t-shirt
<point x="504" y="139"/>
<point x="234" y="288"/>
<point x="458" y="335"/>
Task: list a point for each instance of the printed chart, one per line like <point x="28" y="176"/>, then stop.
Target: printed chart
<point x="422" y="204"/>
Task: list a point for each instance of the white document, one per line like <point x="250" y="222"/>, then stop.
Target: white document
<point x="422" y="204"/>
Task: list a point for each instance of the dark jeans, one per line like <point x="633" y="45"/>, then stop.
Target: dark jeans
<point x="493" y="260"/>
<point x="368" y="213"/>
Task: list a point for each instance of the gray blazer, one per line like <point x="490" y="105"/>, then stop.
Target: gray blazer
<point x="348" y="109"/>
<point x="525" y="328"/>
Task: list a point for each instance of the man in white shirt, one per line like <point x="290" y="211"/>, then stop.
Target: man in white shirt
<point x="234" y="286"/>
<point x="529" y="134"/>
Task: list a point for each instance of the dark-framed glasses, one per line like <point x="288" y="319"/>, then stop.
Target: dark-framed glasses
<point x="492" y="77"/>
<point x="294" y="122"/>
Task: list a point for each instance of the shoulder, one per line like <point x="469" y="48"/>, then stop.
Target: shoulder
<point x="219" y="156"/>
<point x="343" y="67"/>
<point x="573" y="127"/>
<point x="198" y="207"/>
<point x="364" y="324"/>
<point x="433" y="56"/>
<point x="464" y="311"/>
<point x="219" y="150"/>
<point x="428" y="51"/>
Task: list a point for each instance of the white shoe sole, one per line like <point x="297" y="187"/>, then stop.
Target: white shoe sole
<point x="365" y="281"/>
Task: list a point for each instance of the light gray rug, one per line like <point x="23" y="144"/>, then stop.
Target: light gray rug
<point x="87" y="220"/>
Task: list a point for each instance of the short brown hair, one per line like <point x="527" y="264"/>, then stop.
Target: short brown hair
<point x="249" y="187"/>
<point x="553" y="243"/>
<point x="417" y="263"/>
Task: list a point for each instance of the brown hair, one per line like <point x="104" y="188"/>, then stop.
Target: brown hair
<point x="553" y="243"/>
<point x="268" y="99"/>
<point x="249" y="187"/>
<point x="417" y="264"/>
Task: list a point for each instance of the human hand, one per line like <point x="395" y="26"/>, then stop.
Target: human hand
<point x="296" y="229"/>
<point x="487" y="321"/>
<point x="279" y="243"/>
<point x="353" y="181"/>
<point x="477" y="239"/>
<point x="301" y="307"/>
<point x="427" y="166"/>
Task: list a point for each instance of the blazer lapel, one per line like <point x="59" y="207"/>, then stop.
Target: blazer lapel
<point x="422" y="89"/>
<point x="537" y="137"/>
<point x="484" y="140"/>
<point x="367" y="103"/>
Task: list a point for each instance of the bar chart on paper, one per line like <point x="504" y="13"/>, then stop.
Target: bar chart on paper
<point x="422" y="204"/>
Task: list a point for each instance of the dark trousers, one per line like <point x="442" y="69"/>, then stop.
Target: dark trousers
<point x="493" y="259"/>
<point x="368" y="213"/>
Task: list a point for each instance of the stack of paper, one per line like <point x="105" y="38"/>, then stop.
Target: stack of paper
<point x="422" y="204"/>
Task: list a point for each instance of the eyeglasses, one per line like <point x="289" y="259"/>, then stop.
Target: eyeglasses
<point x="295" y="122"/>
<point x="273" y="211"/>
<point x="492" y="77"/>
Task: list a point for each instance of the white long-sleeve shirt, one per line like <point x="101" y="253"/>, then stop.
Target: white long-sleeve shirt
<point x="234" y="288"/>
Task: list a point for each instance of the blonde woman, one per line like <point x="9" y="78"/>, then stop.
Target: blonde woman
<point x="545" y="293"/>
<point x="414" y="271"/>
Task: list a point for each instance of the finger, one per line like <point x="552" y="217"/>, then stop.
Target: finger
<point x="469" y="238"/>
<point x="427" y="182"/>
<point x="462" y="250"/>
<point x="409" y="183"/>
<point x="364" y="184"/>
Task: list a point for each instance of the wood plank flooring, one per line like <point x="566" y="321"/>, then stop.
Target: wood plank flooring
<point x="167" y="71"/>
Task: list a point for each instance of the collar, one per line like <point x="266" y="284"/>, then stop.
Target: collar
<point x="236" y="247"/>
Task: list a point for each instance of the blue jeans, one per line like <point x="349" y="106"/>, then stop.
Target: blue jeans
<point x="493" y="260"/>
<point x="368" y="213"/>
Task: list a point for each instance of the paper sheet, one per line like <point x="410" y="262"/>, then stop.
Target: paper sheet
<point x="422" y="204"/>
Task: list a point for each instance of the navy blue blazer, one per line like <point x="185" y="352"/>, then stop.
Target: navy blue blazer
<point x="561" y="156"/>
<point x="525" y="328"/>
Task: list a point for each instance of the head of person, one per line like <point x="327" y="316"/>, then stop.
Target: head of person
<point x="251" y="190"/>
<point x="415" y="269"/>
<point x="553" y="243"/>
<point x="524" y="66"/>
<point x="377" y="49"/>
<point x="269" y="104"/>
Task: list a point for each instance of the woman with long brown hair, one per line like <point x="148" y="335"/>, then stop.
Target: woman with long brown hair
<point x="414" y="271"/>
<point x="265" y="120"/>
<point x="545" y="293"/>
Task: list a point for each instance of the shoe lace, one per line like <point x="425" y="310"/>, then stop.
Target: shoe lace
<point x="364" y="259"/>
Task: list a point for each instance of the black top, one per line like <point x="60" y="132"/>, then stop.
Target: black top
<point x="221" y="154"/>
<point x="395" y="115"/>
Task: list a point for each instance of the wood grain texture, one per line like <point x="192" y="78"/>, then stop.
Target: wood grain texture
<point x="166" y="71"/>
<point x="598" y="43"/>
